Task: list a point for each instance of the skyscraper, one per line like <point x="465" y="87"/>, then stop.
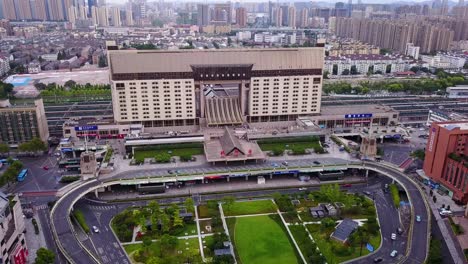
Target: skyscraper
<point x="241" y="16"/>
<point x="278" y="12"/>
<point x="39" y="9"/>
<point x="129" y="17"/>
<point x="304" y="17"/>
<point x="55" y="8"/>
<point x="23" y="9"/>
<point x="222" y="13"/>
<point x="9" y="11"/>
<point x="203" y="17"/>
<point x="115" y="16"/>
<point x="284" y="14"/>
<point x="292" y="17"/>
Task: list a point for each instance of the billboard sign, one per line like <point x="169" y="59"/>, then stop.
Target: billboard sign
<point x="86" y="128"/>
<point x="358" y="116"/>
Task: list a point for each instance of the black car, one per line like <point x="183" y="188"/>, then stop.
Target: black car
<point x="377" y="260"/>
<point x="316" y="162"/>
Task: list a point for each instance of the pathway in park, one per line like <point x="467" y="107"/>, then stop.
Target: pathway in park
<point x="226" y="230"/>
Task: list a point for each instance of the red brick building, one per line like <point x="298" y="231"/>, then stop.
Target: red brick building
<point x="446" y="160"/>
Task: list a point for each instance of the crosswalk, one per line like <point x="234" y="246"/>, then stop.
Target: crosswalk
<point x="102" y="207"/>
<point x="41" y="207"/>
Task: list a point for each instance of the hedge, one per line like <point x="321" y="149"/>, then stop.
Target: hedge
<point x="79" y="216"/>
<point x="395" y="195"/>
<point x="68" y="179"/>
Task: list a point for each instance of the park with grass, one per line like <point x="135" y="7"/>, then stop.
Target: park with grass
<point x="261" y="240"/>
<point x="260" y="231"/>
<point x="294" y="145"/>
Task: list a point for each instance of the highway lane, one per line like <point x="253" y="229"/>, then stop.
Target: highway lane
<point x="420" y="232"/>
<point x="75" y="252"/>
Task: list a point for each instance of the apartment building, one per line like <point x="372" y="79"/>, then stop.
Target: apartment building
<point x="21" y="123"/>
<point x="13" y="245"/>
<point x="395" y="34"/>
<point x="363" y="64"/>
<point x="215" y="87"/>
<point x="4" y="65"/>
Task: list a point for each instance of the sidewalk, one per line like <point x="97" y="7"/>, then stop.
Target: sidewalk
<point x="33" y="241"/>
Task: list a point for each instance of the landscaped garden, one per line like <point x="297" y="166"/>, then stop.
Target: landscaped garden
<point x="297" y="145"/>
<point x="250" y="207"/>
<point x="163" y="153"/>
<point x="168" y="250"/>
<point x="262" y="240"/>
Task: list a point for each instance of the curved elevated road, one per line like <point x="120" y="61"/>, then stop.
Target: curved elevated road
<point x="75" y="252"/>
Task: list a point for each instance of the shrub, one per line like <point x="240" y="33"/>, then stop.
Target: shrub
<point x="319" y="150"/>
<point x="163" y="158"/>
<point x="298" y="150"/>
<point x="395" y="195"/>
<point x="79" y="216"/>
<point x="68" y="179"/>
<point x="277" y="151"/>
<point x="186" y="157"/>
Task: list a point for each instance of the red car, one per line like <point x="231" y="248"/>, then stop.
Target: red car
<point x="45" y="168"/>
<point x="347" y="185"/>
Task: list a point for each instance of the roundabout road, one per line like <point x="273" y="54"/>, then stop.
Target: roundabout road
<point x="417" y="245"/>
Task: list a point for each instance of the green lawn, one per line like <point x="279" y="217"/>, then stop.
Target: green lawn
<point x="334" y="251"/>
<point x="261" y="240"/>
<point x="250" y="207"/>
<point x="184" y="247"/>
<point x="176" y="150"/>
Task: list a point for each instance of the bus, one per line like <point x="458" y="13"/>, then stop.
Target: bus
<point x="22" y="175"/>
<point x="65" y="163"/>
<point x="5" y="161"/>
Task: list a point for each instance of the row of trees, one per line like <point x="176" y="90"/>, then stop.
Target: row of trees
<point x="363" y="234"/>
<point x="423" y="86"/>
<point x="35" y="145"/>
<point x="163" y="221"/>
<point x="11" y="172"/>
<point x="6" y="90"/>
<point x="71" y="89"/>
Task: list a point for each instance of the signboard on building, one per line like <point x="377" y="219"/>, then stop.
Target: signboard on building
<point x="431" y="140"/>
<point x="86" y="128"/>
<point x="358" y="116"/>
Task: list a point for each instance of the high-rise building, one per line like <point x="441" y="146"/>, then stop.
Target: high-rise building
<point x="100" y="16"/>
<point x="174" y="93"/>
<point x="461" y="2"/>
<point x="241" y="17"/>
<point x="39" y="9"/>
<point x="56" y="10"/>
<point x="115" y="16"/>
<point x="292" y="17"/>
<point x="222" y="13"/>
<point x="304" y="17"/>
<point x="23" y="123"/>
<point x="23" y="9"/>
<point x="9" y="11"/>
<point x="203" y="16"/>
<point x="284" y="14"/>
<point x="129" y="17"/>
<point x="278" y="13"/>
<point x="445" y="161"/>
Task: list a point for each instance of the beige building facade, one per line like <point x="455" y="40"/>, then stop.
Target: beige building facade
<point x="215" y="87"/>
<point x="21" y="123"/>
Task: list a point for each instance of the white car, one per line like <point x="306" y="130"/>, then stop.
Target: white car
<point x="445" y="212"/>
<point x="95" y="229"/>
<point x="393" y="236"/>
<point x="394" y="253"/>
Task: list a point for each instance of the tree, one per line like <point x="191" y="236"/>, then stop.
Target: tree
<point x="165" y="222"/>
<point x="190" y="205"/>
<point x="435" y="252"/>
<point x="228" y="201"/>
<point x="34" y="145"/>
<point x="419" y="154"/>
<point x="40" y="86"/>
<point x="147" y="244"/>
<point x="177" y="221"/>
<point x="4" y="148"/>
<point x="44" y="256"/>
<point x="325" y="74"/>
<point x="168" y="243"/>
<point x="6" y="90"/>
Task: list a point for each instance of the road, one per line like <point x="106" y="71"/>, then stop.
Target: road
<point x="72" y="248"/>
